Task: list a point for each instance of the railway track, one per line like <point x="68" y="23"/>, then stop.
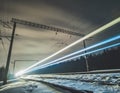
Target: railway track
<point x="76" y="82"/>
<point x="70" y="83"/>
<point x="60" y="88"/>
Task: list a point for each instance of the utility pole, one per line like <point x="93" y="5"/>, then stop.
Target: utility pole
<point x="86" y="61"/>
<point x="42" y="26"/>
<point x="9" y="54"/>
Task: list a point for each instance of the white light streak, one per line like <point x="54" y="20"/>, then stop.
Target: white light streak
<point x="86" y="49"/>
<point x="97" y="50"/>
<point x="101" y="29"/>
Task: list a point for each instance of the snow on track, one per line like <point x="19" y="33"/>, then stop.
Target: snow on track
<point x="98" y="83"/>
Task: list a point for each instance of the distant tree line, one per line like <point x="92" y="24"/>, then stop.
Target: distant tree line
<point x="108" y="59"/>
<point x="2" y="74"/>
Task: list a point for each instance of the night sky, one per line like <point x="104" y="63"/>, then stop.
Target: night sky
<point x="82" y="16"/>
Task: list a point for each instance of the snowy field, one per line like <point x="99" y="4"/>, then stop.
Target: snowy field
<point x="98" y="83"/>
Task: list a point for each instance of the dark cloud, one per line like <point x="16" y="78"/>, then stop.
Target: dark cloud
<point x="95" y="11"/>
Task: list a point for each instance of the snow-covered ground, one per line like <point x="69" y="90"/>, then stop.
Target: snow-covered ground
<point x="98" y="83"/>
<point x="27" y="87"/>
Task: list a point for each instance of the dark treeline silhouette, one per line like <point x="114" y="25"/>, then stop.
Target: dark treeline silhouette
<point x="108" y="59"/>
<point x="2" y="74"/>
<point x="2" y="69"/>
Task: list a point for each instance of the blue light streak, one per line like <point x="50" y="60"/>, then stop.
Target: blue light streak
<point x="88" y="48"/>
<point x="99" y="30"/>
<point x="97" y="50"/>
<point x="85" y="49"/>
<point x="93" y="46"/>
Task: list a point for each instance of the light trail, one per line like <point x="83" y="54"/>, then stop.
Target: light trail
<point x="80" y="40"/>
<point x="97" y="50"/>
<point x="93" y="46"/>
<point x="88" y="48"/>
<point x="101" y="29"/>
<point x="47" y="65"/>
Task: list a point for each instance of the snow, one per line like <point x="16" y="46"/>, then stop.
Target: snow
<point x="27" y="87"/>
<point x="98" y="83"/>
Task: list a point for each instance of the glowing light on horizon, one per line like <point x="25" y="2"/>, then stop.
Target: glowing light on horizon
<point x="19" y="73"/>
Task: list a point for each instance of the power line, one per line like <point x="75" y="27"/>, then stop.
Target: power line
<point x="5" y="24"/>
<point x="42" y="26"/>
